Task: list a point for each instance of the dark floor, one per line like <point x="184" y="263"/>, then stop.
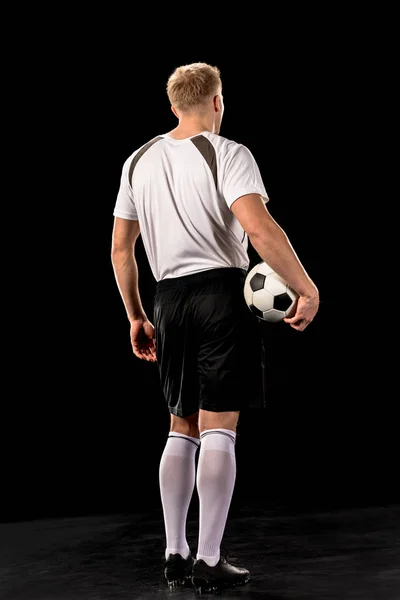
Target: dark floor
<point x="333" y="555"/>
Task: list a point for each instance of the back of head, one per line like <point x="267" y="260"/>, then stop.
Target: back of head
<point x="191" y="86"/>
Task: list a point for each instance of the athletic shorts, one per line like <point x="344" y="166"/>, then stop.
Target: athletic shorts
<point x="210" y="350"/>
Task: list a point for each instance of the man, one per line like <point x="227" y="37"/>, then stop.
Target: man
<point x="197" y="198"/>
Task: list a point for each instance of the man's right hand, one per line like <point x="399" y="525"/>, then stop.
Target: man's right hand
<point x="306" y="309"/>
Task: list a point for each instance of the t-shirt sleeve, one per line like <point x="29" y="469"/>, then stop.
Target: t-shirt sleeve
<point x="241" y="176"/>
<point x="125" y="204"/>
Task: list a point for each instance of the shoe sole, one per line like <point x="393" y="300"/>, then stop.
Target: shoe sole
<point x="174" y="580"/>
<point x="175" y="583"/>
<point x="204" y="586"/>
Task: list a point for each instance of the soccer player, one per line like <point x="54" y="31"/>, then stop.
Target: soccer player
<point x="197" y="198"/>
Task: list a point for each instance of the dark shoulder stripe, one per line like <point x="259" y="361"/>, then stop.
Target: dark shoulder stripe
<point x="205" y="147"/>
<point x="139" y="155"/>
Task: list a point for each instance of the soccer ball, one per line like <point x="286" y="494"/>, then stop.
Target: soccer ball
<point x="267" y="295"/>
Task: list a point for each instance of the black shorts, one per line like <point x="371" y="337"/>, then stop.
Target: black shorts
<point x="209" y="345"/>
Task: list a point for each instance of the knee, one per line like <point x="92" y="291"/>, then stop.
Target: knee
<point x="218" y="420"/>
<point x="186" y="425"/>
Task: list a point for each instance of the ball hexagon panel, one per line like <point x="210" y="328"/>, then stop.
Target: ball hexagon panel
<point x="263" y="300"/>
<point x="275" y="285"/>
<point x="263" y="268"/>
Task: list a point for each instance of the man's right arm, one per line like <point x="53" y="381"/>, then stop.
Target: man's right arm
<point x="273" y="246"/>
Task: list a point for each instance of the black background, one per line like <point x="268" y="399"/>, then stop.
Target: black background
<point x="85" y="425"/>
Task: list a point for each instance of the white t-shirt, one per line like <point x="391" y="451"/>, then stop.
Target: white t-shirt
<point x="181" y="192"/>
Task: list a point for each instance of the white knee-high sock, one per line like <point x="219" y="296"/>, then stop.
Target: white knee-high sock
<point x="177" y="476"/>
<point x="216" y="475"/>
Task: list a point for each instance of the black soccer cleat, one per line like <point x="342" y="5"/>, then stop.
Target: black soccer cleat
<point x="212" y="579"/>
<point x="178" y="570"/>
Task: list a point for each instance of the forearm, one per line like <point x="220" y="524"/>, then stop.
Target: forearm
<point x="127" y="277"/>
<point x="274" y="247"/>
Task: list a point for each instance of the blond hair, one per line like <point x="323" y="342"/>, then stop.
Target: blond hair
<point x="191" y="85"/>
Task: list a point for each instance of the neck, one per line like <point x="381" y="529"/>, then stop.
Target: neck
<point x="190" y="127"/>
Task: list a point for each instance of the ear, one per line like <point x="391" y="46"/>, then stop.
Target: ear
<point x="174" y="111"/>
<point x="217" y="103"/>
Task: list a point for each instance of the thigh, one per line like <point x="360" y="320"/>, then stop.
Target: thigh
<point x="229" y="350"/>
<point x="176" y="352"/>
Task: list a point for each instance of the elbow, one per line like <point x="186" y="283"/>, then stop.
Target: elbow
<point x="266" y="231"/>
<point x="255" y="235"/>
<point x="259" y="236"/>
<point x="119" y="252"/>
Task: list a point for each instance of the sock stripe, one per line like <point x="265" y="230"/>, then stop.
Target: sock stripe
<point x="179" y="437"/>
<point x="205" y="433"/>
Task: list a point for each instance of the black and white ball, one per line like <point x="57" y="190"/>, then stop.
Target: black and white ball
<point x="267" y="295"/>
